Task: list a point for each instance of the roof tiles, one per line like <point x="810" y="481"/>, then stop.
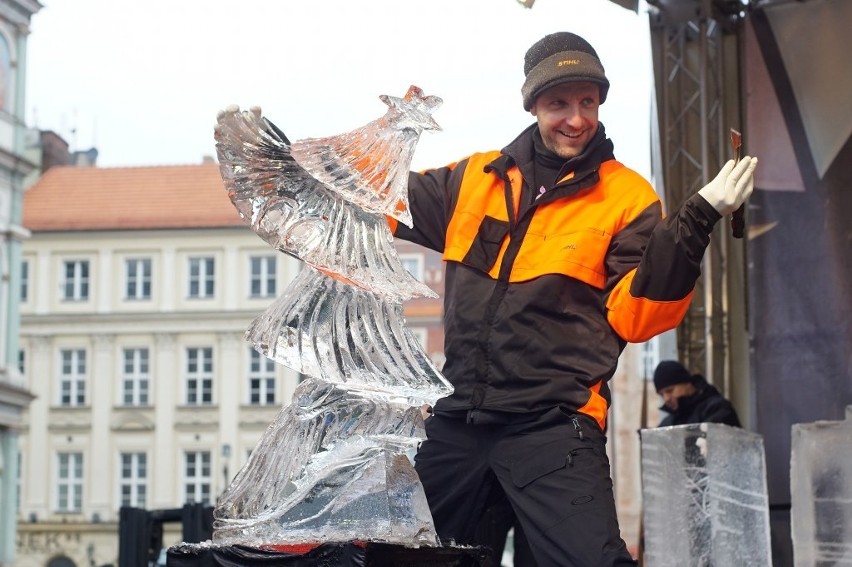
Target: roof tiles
<point x="129" y="198"/>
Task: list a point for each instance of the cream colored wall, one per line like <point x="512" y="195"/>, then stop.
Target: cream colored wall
<point x="103" y="326"/>
<point x="85" y="544"/>
<point x="169" y="252"/>
<point x="623" y="447"/>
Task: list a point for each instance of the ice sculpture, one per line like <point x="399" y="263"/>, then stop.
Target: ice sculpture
<point x="333" y="466"/>
<point x="704" y="496"/>
<point x="821" y="490"/>
<point x="369" y="166"/>
<point x="299" y="215"/>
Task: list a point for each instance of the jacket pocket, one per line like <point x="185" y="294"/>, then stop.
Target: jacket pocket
<point x="579" y="254"/>
<point x="485" y="248"/>
<point x="545" y="460"/>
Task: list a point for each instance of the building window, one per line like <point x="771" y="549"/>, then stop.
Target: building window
<point x="261" y="380"/>
<point x="201" y="278"/>
<point x="22" y="362"/>
<point x="422" y="336"/>
<point x="135" y="377"/>
<point x="138" y="278"/>
<point x="196" y="483"/>
<point x="199" y="376"/>
<point x="72" y="381"/>
<point x="134" y="479"/>
<point x="69" y="494"/>
<point x="262" y="276"/>
<point x="76" y="283"/>
<point x="25" y="280"/>
<point x="414" y="264"/>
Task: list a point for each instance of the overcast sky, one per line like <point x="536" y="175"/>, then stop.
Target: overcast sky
<point x="142" y="81"/>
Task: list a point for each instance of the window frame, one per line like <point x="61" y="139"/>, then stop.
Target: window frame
<point x="70" y="481"/>
<point x="137" y="287"/>
<point x="201" y="277"/>
<point x="76" y="286"/>
<point x="136" y="482"/>
<point x="199" y="485"/>
<point x="263" y="275"/>
<point x="261" y="379"/>
<point x="199" y="382"/>
<point x="75" y="381"/>
<point x="25" y="281"/>
<point x="137" y="382"/>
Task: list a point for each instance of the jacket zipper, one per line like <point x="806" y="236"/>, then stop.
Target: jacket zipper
<point x="579" y="429"/>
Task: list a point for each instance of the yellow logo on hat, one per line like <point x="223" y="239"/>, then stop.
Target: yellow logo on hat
<point x="568" y="62"/>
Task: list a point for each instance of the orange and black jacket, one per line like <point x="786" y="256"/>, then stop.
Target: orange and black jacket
<point x="543" y="294"/>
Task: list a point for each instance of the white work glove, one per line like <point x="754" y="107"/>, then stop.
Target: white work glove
<point x="732" y="186"/>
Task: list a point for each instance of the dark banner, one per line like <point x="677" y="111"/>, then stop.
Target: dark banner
<point x="799" y="108"/>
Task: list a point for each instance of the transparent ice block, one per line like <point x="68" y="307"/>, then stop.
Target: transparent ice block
<point x="704" y="496"/>
<point x="331" y="467"/>
<point x="821" y="491"/>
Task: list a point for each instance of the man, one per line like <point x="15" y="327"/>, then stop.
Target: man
<point x="555" y="256"/>
<point x="688" y="398"/>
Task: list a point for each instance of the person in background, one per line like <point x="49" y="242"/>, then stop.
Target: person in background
<point x="556" y="255"/>
<point x="688" y="398"/>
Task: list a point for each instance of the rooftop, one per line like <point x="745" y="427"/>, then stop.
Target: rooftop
<point x="68" y="198"/>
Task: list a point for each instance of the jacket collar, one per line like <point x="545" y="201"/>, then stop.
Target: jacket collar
<point x="521" y="152"/>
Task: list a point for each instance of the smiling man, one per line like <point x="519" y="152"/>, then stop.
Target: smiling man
<point x="556" y="255"/>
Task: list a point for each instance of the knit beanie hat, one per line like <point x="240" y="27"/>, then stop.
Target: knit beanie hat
<point x="559" y="58"/>
<point x="669" y="373"/>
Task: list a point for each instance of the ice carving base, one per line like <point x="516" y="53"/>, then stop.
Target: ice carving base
<point x="704" y="496"/>
<point x="333" y="466"/>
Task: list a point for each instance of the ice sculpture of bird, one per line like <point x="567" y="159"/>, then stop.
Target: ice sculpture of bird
<point x="369" y="166"/>
<point x="333" y="466"/>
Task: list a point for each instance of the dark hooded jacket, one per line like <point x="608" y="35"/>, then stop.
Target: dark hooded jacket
<point x="706" y="405"/>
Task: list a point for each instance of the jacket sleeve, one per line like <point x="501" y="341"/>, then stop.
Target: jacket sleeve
<point x="653" y="297"/>
<point x="430" y="199"/>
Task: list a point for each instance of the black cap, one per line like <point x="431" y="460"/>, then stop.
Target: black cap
<point x="559" y="58"/>
<point x="671" y="372"/>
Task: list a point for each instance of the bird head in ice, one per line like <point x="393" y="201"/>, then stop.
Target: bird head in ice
<point x="413" y="110"/>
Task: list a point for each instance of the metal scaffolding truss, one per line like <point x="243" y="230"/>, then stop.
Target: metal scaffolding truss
<point x="696" y="68"/>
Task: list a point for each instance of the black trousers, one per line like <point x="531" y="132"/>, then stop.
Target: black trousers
<point x="553" y="469"/>
<point x="493" y="531"/>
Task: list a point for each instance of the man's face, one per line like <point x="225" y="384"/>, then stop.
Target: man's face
<point x="567" y="116"/>
<point x="671" y="394"/>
